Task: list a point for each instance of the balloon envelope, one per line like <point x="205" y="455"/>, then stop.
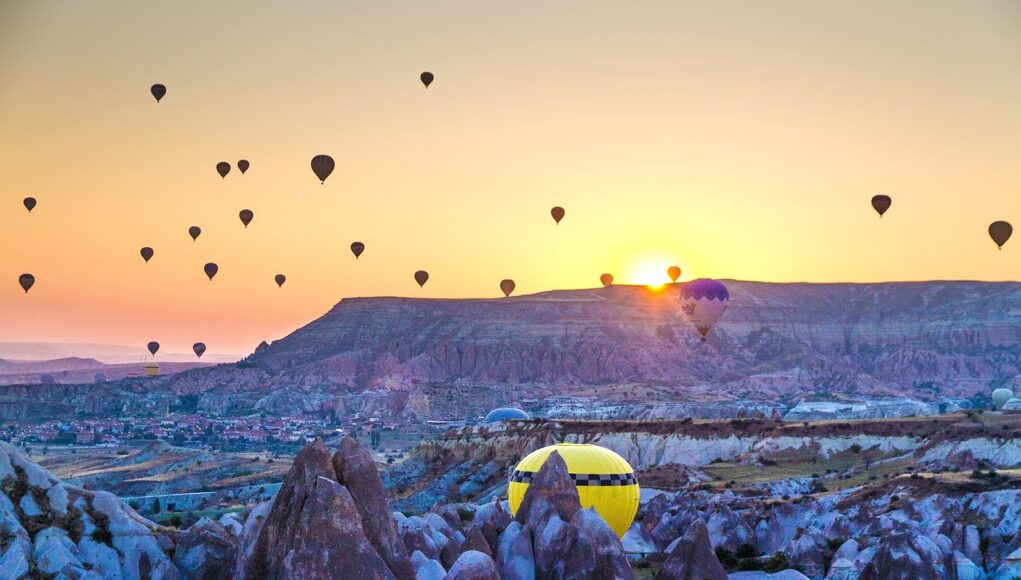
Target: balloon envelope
<point x="146" y="253"/>
<point x="704" y="302"/>
<point x="1001" y="396"/>
<point x="223" y="168"/>
<point x="427" y="78"/>
<point x="557" y="213"/>
<point x="194" y="232"/>
<point x="1000" y="232"/>
<point x="357" y="248"/>
<point x="243" y="166"/>
<point x="881" y="203"/>
<point x="246" y="216"/>
<point x="322" y="166"/>
<point x="211" y="269"/>
<point x="606" y="279"/>
<point x="29" y="203"/>
<point x="198" y="348"/>
<point x="674" y="273"/>
<point x="280" y="279"/>
<point x="153" y="347"/>
<point x="158" y="91"/>
<point x="604" y="480"/>
<point x="421" y="277"/>
<point x="26" y="281"/>
<point x="507" y="286"/>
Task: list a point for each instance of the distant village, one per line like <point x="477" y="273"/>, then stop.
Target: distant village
<point x="197" y="431"/>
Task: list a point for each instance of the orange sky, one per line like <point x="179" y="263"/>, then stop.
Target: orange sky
<point x="735" y="139"/>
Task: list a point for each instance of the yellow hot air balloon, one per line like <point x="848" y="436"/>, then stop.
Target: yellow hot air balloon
<point x="604" y="480"/>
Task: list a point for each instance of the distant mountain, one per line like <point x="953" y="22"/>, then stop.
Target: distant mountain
<point x="105" y="353"/>
<point x="74" y="370"/>
<point x="777" y="342"/>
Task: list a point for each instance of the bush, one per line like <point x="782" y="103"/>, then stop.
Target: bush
<point x="746" y="551"/>
<point x="726" y="557"/>
<point x="776" y="563"/>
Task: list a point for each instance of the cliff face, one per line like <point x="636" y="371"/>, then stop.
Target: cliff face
<point x="775" y="339"/>
<point x="926" y="340"/>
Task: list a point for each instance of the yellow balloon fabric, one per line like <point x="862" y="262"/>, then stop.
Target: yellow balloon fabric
<point x="604" y="481"/>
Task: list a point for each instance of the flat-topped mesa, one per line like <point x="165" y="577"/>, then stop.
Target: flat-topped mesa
<point x="625" y="333"/>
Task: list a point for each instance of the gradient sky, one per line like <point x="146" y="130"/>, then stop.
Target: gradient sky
<point x="735" y="139"/>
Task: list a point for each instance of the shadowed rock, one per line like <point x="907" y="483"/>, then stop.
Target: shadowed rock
<point x="693" y="558"/>
<point x="357" y="472"/>
<point x="550" y="492"/>
<point x="898" y="557"/>
<point x="473" y="565"/>
<point x="314" y="529"/>
<point x="567" y="541"/>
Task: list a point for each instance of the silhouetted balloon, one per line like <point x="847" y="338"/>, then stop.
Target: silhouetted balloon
<point x="194" y="232"/>
<point x="421" y="277"/>
<point x="357" y="248"/>
<point x="146" y="253"/>
<point x="211" y="269"/>
<point x="280" y="279"/>
<point x="246" y="216"/>
<point x="1000" y="232"/>
<point x="198" y="348"/>
<point x="322" y="166"/>
<point x="427" y="78"/>
<point x="153" y="347"/>
<point x="158" y="91"/>
<point x="704" y="302"/>
<point x="606" y="279"/>
<point x="29" y="204"/>
<point x="507" y="286"/>
<point x="243" y="166"/>
<point x="674" y="273"/>
<point x="557" y="213"/>
<point x="223" y="168"/>
<point x="881" y="203"/>
<point x="26" y="281"/>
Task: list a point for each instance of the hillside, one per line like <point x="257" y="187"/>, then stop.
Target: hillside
<point x="777" y="343"/>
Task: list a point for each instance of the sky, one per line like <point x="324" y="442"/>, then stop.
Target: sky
<point x="733" y="139"/>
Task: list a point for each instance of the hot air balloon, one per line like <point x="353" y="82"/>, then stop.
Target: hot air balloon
<point x="427" y="78"/>
<point x="674" y="273"/>
<point x="357" y="248"/>
<point x="26" y="281"/>
<point x="557" y="213"/>
<point x="1001" y="396"/>
<point x="604" y="480"/>
<point x="199" y="348"/>
<point x="502" y="414"/>
<point x="194" y="232"/>
<point x="29" y="203"/>
<point x="881" y="203"/>
<point x="421" y="277"/>
<point x="158" y="91"/>
<point x="146" y="254"/>
<point x="243" y="166"/>
<point x="153" y="347"/>
<point x="322" y="166"/>
<point x="246" y="216"/>
<point x="223" y="168"/>
<point x="1000" y="232"/>
<point x="211" y="269"/>
<point x="703" y="302"/>
<point x="507" y="286"/>
<point x="280" y="279"/>
<point x="606" y="279"/>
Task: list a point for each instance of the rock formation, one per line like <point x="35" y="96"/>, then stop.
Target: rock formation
<point x="693" y="558"/>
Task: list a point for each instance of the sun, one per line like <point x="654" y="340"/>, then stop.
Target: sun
<point x="650" y="272"/>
